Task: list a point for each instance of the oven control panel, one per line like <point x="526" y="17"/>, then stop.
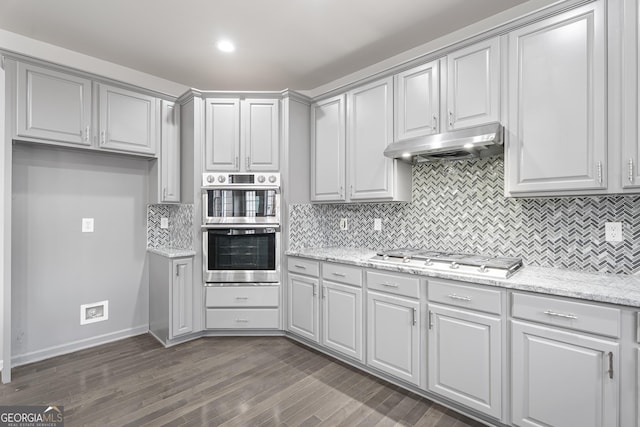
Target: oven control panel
<point x="225" y="179"/>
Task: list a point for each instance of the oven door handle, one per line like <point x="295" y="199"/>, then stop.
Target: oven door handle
<point x="240" y="231"/>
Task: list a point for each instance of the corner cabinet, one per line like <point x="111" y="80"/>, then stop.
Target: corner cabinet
<point x="170" y="297"/>
<point x="557" y="122"/>
<point x="242" y="135"/>
<point x="53" y="105"/>
<point x="127" y="120"/>
<point x="347" y="160"/>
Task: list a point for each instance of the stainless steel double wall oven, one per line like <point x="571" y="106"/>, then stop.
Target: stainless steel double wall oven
<point x="241" y="228"/>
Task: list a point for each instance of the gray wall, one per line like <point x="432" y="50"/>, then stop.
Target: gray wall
<point x="56" y="267"/>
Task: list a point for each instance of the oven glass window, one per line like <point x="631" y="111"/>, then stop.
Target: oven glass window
<point x="241" y="203"/>
<point x="228" y="251"/>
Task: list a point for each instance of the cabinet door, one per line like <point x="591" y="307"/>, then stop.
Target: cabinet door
<point x="473" y="85"/>
<point x="182" y="297"/>
<point x="342" y="319"/>
<point x="170" y="151"/>
<point x="563" y="379"/>
<point x="303" y="306"/>
<point x="127" y="120"/>
<point x="474" y="376"/>
<point x="328" y="133"/>
<point x="260" y="134"/>
<point x="53" y="105"/>
<point x="222" y="135"/>
<point x="417" y="101"/>
<point x="557" y="108"/>
<point x="631" y="113"/>
<point x="393" y="336"/>
<point x="370" y="113"/>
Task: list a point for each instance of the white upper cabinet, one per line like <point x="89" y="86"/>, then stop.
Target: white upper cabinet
<point x="365" y="131"/>
<point x="260" y="134"/>
<point x="53" y="106"/>
<point x="417" y="101"/>
<point x="242" y="135"/>
<point x="328" y="150"/>
<point x="170" y="151"/>
<point x="370" y="131"/>
<point x="127" y="120"/>
<point x="473" y="85"/>
<point x="557" y="140"/>
<point x="630" y="160"/>
<point x="222" y="135"/>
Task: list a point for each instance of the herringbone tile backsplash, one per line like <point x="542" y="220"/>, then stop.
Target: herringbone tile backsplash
<point x="459" y="206"/>
<point x="179" y="235"/>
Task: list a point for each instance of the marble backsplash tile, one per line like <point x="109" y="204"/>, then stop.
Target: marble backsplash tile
<point x="460" y="206"/>
<point x="179" y="235"/>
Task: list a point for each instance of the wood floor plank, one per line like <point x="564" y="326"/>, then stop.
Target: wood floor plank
<point x="225" y="381"/>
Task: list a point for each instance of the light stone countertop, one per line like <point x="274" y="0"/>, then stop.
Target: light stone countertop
<point x="172" y="252"/>
<point x="601" y="287"/>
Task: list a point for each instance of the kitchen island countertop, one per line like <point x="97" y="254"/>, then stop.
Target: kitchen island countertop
<point x="601" y="287"/>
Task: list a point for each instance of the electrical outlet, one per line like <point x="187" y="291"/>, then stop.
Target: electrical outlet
<point x="377" y="224"/>
<point x="613" y="232"/>
<point x="87" y="225"/>
<point x="164" y="223"/>
<point x="344" y="225"/>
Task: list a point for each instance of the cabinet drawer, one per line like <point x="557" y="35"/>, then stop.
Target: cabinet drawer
<point x="256" y="318"/>
<point x="394" y="284"/>
<point x="459" y="295"/>
<point x="567" y="314"/>
<point x="242" y="296"/>
<point x="304" y="266"/>
<point x="342" y="273"/>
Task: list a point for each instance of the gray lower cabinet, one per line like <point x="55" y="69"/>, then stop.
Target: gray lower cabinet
<point x="465" y="345"/>
<point x="170" y="297"/>
<point x="393" y="325"/>
<point x="242" y="307"/>
<point x="303" y="314"/>
<point x="564" y="378"/>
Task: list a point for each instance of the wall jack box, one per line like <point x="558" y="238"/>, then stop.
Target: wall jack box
<point x="94" y="312"/>
<point x="344" y="225"/>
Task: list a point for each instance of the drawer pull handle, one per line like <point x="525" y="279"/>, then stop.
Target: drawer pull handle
<point x="459" y="297"/>
<point x="610" y="371"/>
<point x="390" y="285"/>
<point x="242" y="298"/>
<point x="300" y="266"/>
<point x="564" y="316"/>
<point x="242" y="320"/>
<point x="339" y="274"/>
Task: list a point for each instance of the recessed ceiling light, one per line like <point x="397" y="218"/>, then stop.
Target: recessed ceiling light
<point x="226" y="46"/>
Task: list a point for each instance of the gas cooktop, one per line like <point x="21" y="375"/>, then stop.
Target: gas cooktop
<point x="479" y="265"/>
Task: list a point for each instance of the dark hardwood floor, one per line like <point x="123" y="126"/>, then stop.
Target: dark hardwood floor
<point x="239" y="381"/>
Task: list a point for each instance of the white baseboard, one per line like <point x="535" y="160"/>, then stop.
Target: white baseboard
<point x="46" y="353"/>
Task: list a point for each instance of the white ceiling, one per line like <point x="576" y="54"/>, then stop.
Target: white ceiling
<point x="297" y="44"/>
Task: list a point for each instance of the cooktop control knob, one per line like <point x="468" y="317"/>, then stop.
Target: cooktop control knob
<point x="272" y="179"/>
<point x="261" y="179"/>
<point x="222" y="178"/>
<point x="211" y="178"/>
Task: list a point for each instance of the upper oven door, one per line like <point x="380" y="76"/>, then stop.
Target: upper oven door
<point x="240" y="206"/>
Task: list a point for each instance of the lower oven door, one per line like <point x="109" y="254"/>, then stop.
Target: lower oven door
<point x="241" y="255"/>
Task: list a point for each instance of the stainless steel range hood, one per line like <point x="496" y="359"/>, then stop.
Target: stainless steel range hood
<point x="480" y="141"/>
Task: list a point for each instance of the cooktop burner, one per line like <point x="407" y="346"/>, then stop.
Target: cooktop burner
<point x="499" y="267"/>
